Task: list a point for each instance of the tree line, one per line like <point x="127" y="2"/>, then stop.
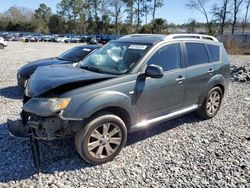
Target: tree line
<point x="120" y="17"/>
<point x="86" y="16"/>
<point x="225" y="12"/>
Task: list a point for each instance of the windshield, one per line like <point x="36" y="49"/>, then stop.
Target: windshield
<point x="114" y="58"/>
<point x="75" y="54"/>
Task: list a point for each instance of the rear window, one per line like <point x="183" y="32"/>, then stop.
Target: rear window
<point x="214" y="51"/>
<point x="197" y="54"/>
<point x="75" y="54"/>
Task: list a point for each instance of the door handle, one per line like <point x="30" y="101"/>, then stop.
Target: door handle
<point x="210" y="70"/>
<point x="180" y="79"/>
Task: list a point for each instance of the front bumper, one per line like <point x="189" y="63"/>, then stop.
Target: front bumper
<point x="43" y="128"/>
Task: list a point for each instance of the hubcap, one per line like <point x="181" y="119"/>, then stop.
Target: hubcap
<point x="104" y="140"/>
<point x="213" y="102"/>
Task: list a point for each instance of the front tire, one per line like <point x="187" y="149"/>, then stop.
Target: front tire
<point x="211" y="103"/>
<point x="101" y="139"/>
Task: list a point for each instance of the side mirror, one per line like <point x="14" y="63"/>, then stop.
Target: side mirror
<point x="154" y="71"/>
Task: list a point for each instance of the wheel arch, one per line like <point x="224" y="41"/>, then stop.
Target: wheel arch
<point x="118" y="111"/>
<point x="216" y="81"/>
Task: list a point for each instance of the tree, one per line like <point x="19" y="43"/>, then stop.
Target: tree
<point x="41" y="18"/>
<point x="191" y="26"/>
<point x="146" y="8"/>
<point x="17" y="19"/>
<point x="72" y="11"/>
<point x="43" y="12"/>
<point x="156" y="4"/>
<point x="158" y="25"/>
<point x="130" y="11"/>
<point x="18" y="14"/>
<point x="139" y="12"/>
<point x="116" y="7"/>
<point x="55" y="24"/>
<point x="236" y="8"/>
<point x="220" y="14"/>
<point x="104" y="22"/>
<point x="246" y="17"/>
<point x="200" y="6"/>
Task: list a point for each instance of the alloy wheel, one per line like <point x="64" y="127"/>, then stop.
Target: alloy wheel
<point x="104" y="140"/>
<point x="213" y="102"/>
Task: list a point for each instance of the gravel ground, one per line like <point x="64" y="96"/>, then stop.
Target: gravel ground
<point x="185" y="152"/>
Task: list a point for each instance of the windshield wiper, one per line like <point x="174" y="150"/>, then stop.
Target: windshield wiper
<point x="92" y="68"/>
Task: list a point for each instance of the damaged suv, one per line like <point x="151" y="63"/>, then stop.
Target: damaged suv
<point x="129" y="84"/>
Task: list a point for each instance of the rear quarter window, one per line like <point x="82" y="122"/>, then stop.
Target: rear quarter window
<point x="214" y="51"/>
<point x="196" y="53"/>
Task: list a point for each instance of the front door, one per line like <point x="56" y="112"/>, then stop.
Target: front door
<point x="157" y="97"/>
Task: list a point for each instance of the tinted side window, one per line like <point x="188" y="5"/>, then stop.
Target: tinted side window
<point x="197" y="53"/>
<point x="168" y="57"/>
<point x="214" y="51"/>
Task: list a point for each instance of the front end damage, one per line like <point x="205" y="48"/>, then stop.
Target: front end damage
<point x="42" y="113"/>
<point x="45" y="128"/>
<point x="43" y="120"/>
<point x="44" y="117"/>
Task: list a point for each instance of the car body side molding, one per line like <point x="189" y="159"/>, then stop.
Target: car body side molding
<point x="145" y="123"/>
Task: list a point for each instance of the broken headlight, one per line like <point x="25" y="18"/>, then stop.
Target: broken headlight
<point x="46" y="106"/>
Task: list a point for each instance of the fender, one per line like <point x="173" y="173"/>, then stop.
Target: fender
<point x="81" y="109"/>
<point x="215" y="80"/>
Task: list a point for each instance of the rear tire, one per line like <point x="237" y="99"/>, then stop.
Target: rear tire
<point x="101" y="139"/>
<point x="211" y="103"/>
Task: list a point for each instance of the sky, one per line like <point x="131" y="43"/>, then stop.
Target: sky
<point x="174" y="11"/>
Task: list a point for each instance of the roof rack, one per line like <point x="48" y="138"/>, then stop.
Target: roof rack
<point x="196" y="36"/>
<point x="144" y="35"/>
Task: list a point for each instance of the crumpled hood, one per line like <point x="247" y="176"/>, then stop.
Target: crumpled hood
<point x="29" y="68"/>
<point x="47" y="78"/>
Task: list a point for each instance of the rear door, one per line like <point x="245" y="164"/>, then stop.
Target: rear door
<point x="199" y="71"/>
<point x="156" y="97"/>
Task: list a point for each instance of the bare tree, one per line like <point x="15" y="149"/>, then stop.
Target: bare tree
<point x="130" y="10"/>
<point x="139" y="12"/>
<point x="236" y="8"/>
<point x="116" y="6"/>
<point x="223" y="17"/>
<point x="246" y="17"/>
<point x="156" y="4"/>
<point x="147" y="8"/>
<point x="220" y="14"/>
<point x="200" y="5"/>
<point x="18" y="14"/>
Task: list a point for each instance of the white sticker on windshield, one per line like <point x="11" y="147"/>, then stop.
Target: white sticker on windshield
<point x="138" y="47"/>
<point x="86" y="49"/>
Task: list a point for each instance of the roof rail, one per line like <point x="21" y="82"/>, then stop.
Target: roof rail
<point x="143" y="35"/>
<point x="188" y="35"/>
